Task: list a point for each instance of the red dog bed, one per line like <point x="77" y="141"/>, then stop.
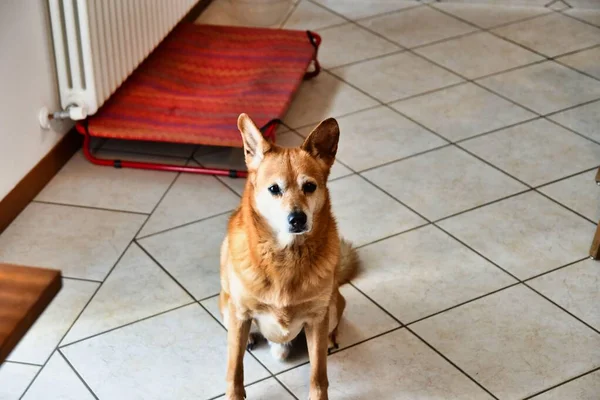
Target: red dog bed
<point x="192" y="88"/>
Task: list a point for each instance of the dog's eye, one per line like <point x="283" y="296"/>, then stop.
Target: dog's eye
<point x="275" y="190"/>
<point x="309" y="187"/>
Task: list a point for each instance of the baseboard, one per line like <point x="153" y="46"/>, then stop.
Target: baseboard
<point x="26" y="190"/>
<point x="29" y="187"/>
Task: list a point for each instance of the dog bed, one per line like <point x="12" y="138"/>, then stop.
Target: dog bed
<point x="194" y="85"/>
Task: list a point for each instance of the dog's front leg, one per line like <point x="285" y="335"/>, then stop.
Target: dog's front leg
<point x="237" y="339"/>
<point x="317" y="338"/>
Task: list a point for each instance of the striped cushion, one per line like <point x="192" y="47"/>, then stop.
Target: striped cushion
<point x="200" y="78"/>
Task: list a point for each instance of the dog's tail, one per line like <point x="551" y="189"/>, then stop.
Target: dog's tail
<point x="349" y="265"/>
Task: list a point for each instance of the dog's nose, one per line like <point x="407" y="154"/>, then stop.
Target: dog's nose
<point x="297" y="220"/>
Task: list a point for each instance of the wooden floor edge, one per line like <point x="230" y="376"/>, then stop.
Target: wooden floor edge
<point x="26" y="190"/>
<point x="35" y="180"/>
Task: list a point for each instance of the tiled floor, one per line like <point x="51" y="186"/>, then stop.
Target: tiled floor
<point x="470" y="139"/>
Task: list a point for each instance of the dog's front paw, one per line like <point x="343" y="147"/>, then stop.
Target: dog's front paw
<point x="236" y="395"/>
<point x="317" y="394"/>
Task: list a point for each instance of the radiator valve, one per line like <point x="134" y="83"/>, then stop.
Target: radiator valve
<point x="73" y="112"/>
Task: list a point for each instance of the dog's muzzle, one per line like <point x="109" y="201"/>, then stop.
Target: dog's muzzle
<point x="297" y="221"/>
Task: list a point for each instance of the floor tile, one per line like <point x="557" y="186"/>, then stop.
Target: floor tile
<point x="587" y="61"/>
<point x="361" y="320"/>
<point x="421" y="272"/>
<point x="587" y="15"/>
<point x="536" y="152"/>
<point x="191" y="254"/>
<point x="580" y="193"/>
<point x="137" y="288"/>
<point x="479" y="54"/>
<point x="268" y="389"/>
<point x="189" y="343"/>
<point x="514" y="342"/>
<point x="82" y="243"/>
<point x="575" y="288"/>
<point x="323" y="97"/>
<point x="14" y="379"/>
<point x="526" y="234"/>
<point x="364" y="213"/>
<point x="462" y="181"/>
<point x="191" y="198"/>
<point x="584" y="120"/>
<point x="233" y="158"/>
<point x="380" y="135"/>
<point x="82" y="183"/>
<point x="58" y="381"/>
<point x="45" y="334"/>
<point x="396" y="77"/>
<point x="488" y="15"/>
<point x="224" y="12"/>
<point x="584" y="388"/>
<point x="551" y="35"/>
<point x="152" y="148"/>
<point x="416" y="27"/>
<point x="544" y="87"/>
<point x="584" y="4"/>
<point x="365" y="8"/>
<point x="462" y="111"/>
<point x="350" y="43"/>
<point x="309" y="16"/>
<point x="394" y="366"/>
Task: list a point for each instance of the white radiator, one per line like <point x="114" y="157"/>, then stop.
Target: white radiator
<point x="98" y="43"/>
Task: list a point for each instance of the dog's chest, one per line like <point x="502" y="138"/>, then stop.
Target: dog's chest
<point x="279" y="326"/>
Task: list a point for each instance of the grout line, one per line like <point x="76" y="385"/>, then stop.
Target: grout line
<point x="563" y="383"/>
<point x="571" y="130"/>
<point x="494" y="26"/>
<point x="452" y="363"/>
<point x="566" y="177"/>
<point x="555" y="269"/>
<point x="563" y="12"/>
<point x="72" y="278"/>
<point x="124" y="325"/>
<point x="463" y="303"/>
<point x="60" y="354"/>
<point x="219" y="180"/>
<point x="165" y="271"/>
<point x="289" y="14"/>
<point x="183" y="225"/>
<point x="22" y="363"/>
<point x="393" y="235"/>
<point x="483" y="205"/>
<point x="562" y="308"/>
<point x="341" y="349"/>
<point x="389" y="314"/>
<point x="418" y="4"/>
<point x="352" y="63"/>
<point x="53" y="203"/>
<point x="245" y="386"/>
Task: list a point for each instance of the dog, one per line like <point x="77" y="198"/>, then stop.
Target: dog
<point x="282" y="261"/>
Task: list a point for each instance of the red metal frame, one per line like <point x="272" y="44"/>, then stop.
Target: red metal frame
<point x="268" y="131"/>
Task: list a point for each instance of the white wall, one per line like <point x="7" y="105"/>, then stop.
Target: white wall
<point x="27" y="82"/>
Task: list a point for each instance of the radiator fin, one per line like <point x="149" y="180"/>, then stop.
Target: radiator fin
<point x="98" y="43"/>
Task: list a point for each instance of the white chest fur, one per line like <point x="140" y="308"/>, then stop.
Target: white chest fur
<point x="272" y="329"/>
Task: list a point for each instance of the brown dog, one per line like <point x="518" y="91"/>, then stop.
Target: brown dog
<point x="282" y="261"/>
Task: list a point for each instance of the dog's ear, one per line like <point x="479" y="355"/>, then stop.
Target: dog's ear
<point x="255" y="145"/>
<point x="322" y="143"/>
